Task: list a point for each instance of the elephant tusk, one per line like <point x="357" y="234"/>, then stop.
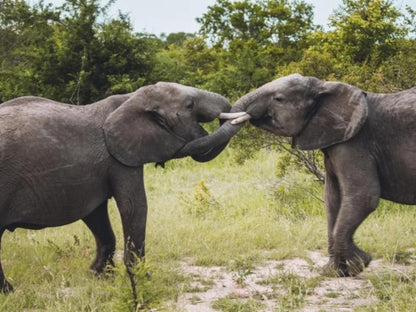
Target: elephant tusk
<point x="241" y="119"/>
<point x="231" y="115"/>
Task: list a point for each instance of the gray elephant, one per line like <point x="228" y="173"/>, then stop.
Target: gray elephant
<point x="61" y="163"/>
<point x="369" y="143"/>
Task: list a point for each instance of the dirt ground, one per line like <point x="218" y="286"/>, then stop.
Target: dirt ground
<point x="328" y="294"/>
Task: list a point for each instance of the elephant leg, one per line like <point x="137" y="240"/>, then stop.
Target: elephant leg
<point x="5" y="286"/>
<point x="347" y="254"/>
<point x="99" y="224"/>
<point x="130" y="195"/>
<point x="359" y="197"/>
<point x="133" y="214"/>
<point x="332" y="207"/>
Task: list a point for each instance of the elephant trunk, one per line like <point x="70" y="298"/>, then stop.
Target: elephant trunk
<point x="210" y="106"/>
<point x="200" y="150"/>
<point x="208" y="147"/>
<point x="243" y="104"/>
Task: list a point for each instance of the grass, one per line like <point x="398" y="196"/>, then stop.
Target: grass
<point x="217" y="213"/>
<point x="291" y="289"/>
<point x="395" y="291"/>
<point x="228" y="304"/>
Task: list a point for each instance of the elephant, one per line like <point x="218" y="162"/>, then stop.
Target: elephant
<point x="61" y="163"/>
<point x="369" y="146"/>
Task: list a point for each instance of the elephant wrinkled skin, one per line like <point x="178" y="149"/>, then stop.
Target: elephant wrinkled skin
<point x="61" y="163"/>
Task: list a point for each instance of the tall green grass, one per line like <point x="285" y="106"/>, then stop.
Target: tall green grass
<point x="205" y="214"/>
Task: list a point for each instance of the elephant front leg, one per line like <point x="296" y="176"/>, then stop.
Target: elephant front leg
<point x="346" y="251"/>
<point x="335" y="266"/>
<point x="129" y="193"/>
<point x="134" y="218"/>
<point x="360" y="195"/>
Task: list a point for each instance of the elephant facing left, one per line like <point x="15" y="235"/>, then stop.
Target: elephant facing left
<point x="60" y="163"/>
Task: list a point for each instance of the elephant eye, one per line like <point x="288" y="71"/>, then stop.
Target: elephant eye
<point x="189" y="104"/>
<point x="277" y="99"/>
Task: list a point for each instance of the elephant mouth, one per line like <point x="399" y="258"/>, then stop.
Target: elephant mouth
<point x="266" y="121"/>
<point x="270" y="124"/>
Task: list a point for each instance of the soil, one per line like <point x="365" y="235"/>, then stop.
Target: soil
<point x="329" y="294"/>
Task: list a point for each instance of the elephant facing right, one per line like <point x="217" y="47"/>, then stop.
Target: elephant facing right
<point x="369" y="143"/>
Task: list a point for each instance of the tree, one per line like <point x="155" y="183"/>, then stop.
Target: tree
<point x="24" y="44"/>
<point x="66" y="54"/>
<point x="365" y="31"/>
<point x="125" y="60"/>
<point x="251" y="38"/>
<point x="282" y="22"/>
<point x="177" y="38"/>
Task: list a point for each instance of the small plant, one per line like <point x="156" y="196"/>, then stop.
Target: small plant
<point x="147" y="295"/>
<point x="241" y="276"/>
<point x="297" y="198"/>
<point x="290" y="159"/>
<point x="403" y="257"/>
<point x="228" y="304"/>
<point x="201" y="203"/>
<point x="243" y="267"/>
<point x="332" y="295"/>
<point x="195" y="299"/>
<point x="292" y="289"/>
<point x="64" y="250"/>
<point x="196" y="288"/>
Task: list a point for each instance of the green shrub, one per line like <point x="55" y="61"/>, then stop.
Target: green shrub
<point x="201" y="203"/>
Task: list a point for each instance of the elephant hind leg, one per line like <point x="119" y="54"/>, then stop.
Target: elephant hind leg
<point x="99" y="224"/>
<point x="5" y="286"/>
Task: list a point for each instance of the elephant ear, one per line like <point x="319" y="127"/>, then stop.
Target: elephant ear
<point x="135" y="133"/>
<point x="340" y="112"/>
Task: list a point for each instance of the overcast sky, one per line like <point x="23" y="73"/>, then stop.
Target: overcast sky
<point x="167" y="16"/>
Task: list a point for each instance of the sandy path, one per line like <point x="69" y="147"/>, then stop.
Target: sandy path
<point x="327" y="294"/>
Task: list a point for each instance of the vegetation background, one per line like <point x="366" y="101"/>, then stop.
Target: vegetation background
<point x="259" y="195"/>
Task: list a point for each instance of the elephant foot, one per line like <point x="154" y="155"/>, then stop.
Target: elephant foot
<point x="335" y="269"/>
<point x="6" y="287"/>
<point x="358" y="262"/>
<point x="349" y="266"/>
<point x="102" y="268"/>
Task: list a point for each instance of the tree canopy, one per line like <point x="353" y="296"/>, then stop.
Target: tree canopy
<point x="75" y="53"/>
<point x="65" y="53"/>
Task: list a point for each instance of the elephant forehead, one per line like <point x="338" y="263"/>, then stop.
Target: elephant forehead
<point x="161" y="92"/>
<point x="176" y="87"/>
<point x="287" y="83"/>
<point x="178" y="91"/>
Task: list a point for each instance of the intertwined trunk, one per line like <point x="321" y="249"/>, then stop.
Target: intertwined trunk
<point x="208" y="147"/>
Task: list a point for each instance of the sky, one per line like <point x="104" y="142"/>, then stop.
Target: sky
<point x="167" y="16"/>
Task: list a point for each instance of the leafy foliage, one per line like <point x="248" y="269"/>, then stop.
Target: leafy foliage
<point x="66" y="54"/>
<point x="366" y="30"/>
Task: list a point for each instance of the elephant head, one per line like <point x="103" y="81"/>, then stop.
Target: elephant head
<point x="316" y="114"/>
<point x="158" y="120"/>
